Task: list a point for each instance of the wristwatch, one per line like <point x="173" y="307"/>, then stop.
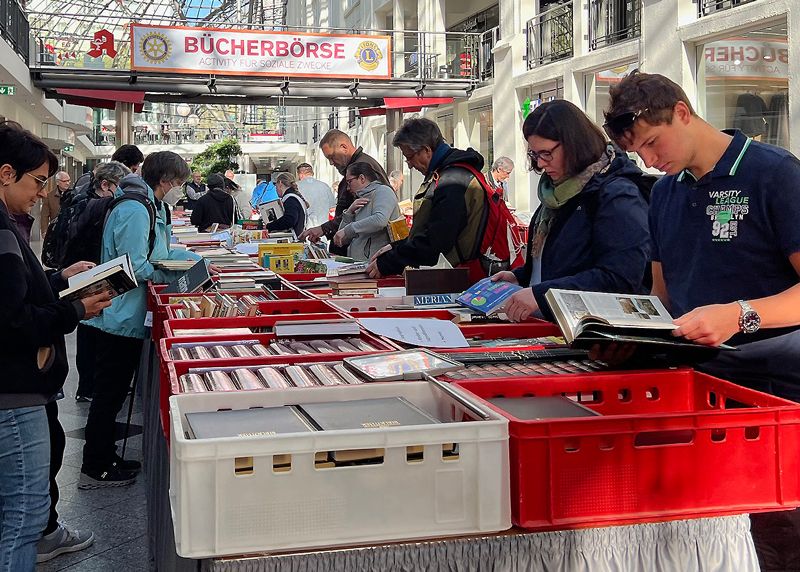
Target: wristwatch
<point x="749" y="320"/>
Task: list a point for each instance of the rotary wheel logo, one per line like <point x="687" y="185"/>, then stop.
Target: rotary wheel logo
<point x="368" y="55"/>
<point x="155" y="47"/>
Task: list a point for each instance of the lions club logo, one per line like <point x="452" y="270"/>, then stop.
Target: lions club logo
<point x="368" y="55"/>
<point x="155" y="47"/>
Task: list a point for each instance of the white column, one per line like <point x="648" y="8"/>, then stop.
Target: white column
<point x="123" y="113"/>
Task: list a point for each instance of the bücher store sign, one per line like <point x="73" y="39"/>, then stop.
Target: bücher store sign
<point x="179" y="49"/>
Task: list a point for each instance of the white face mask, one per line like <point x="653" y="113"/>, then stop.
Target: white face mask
<point x="173" y="196"/>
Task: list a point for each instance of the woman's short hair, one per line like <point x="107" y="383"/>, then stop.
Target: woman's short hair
<point x="582" y="142"/>
<point x="287" y="179"/>
<point x="24" y="151"/>
<point x="113" y="171"/>
<point x="418" y="133"/>
<point x="361" y="168"/>
<point x="164" y="166"/>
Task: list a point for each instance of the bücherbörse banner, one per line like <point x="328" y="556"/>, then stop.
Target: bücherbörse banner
<point x="181" y="49"/>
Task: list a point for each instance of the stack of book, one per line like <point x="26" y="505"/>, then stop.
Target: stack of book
<point x="363" y="287"/>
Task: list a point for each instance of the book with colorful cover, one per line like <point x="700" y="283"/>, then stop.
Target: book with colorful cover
<point x="486" y="296"/>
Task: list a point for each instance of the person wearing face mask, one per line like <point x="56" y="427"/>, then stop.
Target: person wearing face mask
<point x="363" y="226"/>
<point x="590" y="232"/>
<point x="121" y="328"/>
<point x="32" y="350"/>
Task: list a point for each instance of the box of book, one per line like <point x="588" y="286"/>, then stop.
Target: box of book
<point x="333" y="466"/>
<point x="643" y="447"/>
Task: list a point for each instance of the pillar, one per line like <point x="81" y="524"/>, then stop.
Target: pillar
<point x="123" y="113"/>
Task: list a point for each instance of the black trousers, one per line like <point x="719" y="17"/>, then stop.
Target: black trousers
<point x="84" y="359"/>
<point x="116" y="360"/>
<point x="57" y="444"/>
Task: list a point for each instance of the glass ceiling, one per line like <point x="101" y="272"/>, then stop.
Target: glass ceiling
<point x="64" y="29"/>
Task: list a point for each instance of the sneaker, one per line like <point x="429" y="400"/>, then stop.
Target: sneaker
<point x="83" y="399"/>
<point x="111" y="477"/>
<point x="61" y="541"/>
<point x="127" y="466"/>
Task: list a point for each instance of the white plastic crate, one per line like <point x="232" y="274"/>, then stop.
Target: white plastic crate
<point x="217" y="512"/>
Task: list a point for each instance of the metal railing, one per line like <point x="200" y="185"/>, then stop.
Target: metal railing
<point x="614" y="21"/>
<point x="485" y="56"/>
<point x="416" y="54"/>
<point x="706" y="7"/>
<point x="14" y="28"/>
<point x="550" y="35"/>
<point x="181" y="136"/>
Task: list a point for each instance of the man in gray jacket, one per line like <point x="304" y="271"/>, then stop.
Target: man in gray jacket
<point x="363" y="227"/>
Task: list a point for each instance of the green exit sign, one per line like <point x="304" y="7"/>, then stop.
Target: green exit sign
<point x="69" y="148"/>
<point x="8" y="89"/>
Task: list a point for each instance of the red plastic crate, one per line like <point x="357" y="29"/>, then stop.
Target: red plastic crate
<point x="528" y="329"/>
<point x="669" y="444"/>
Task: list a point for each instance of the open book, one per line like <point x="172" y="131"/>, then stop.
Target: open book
<point x="271" y="211"/>
<point x="586" y="318"/>
<point x="115" y="276"/>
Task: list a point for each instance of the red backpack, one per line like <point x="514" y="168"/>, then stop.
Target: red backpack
<point x="501" y="245"/>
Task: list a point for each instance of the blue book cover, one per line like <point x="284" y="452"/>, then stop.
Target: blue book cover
<point x="486" y="296"/>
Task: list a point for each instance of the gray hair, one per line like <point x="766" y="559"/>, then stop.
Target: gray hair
<point x="395" y="175"/>
<point x="503" y="163"/>
<point x="113" y="171"/>
<point x="333" y="137"/>
<point x="416" y="134"/>
<point x="60" y="175"/>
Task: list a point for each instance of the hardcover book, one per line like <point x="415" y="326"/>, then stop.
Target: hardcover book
<point x="255" y="422"/>
<point x="436" y="280"/>
<point x="195" y="279"/>
<point x="487" y="297"/>
<point x="587" y="318"/>
<point x="546" y="407"/>
<point x="366" y="414"/>
<point x="115" y="276"/>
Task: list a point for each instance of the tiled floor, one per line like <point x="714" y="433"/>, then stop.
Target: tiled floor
<point x="116" y="516"/>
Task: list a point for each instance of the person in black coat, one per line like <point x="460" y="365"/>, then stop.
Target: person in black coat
<point x="216" y="206"/>
<point x="590" y="232"/>
<point x="294" y="206"/>
<point x="32" y="348"/>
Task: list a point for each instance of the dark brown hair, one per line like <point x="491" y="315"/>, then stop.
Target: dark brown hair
<point x="654" y="95"/>
<point x="24" y="151"/>
<point x="582" y="142"/>
<point x="362" y="168"/>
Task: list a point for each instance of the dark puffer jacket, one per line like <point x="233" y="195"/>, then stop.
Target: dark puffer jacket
<point x="216" y="206"/>
<point x="33" y="323"/>
<point x="599" y="241"/>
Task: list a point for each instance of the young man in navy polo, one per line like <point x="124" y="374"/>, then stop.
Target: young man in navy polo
<point x="725" y="226"/>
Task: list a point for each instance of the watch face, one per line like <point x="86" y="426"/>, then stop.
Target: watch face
<point x="750" y="322"/>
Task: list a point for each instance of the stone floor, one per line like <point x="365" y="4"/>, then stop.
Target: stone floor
<point x="117" y="517"/>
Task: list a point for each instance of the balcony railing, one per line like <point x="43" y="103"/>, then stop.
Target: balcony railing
<point x="416" y="54"/>
<point x="706" y="7"/>
<point x="14" y="28"/>
<point x="182" y="135"/>
<point x="485" y="56"/>
<point x="550" y="36"/>
<point x="613" y="21"/>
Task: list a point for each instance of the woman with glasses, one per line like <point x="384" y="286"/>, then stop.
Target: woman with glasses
<point x="590" y="231"/>
<point x="32" y="350"/>
<point x="363" y="226"/>
<point x="294" y="206"/>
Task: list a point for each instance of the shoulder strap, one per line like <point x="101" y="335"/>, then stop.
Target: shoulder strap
<point x="151" y="211"/>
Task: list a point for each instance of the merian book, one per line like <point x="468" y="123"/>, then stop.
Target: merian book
<point x="587" y="318"/>
<point x="115" y="276"/>
<point x="487" y="297"/>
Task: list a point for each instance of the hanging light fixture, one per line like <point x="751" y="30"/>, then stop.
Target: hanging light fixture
<point x="193" y="120"/>
<point x="183" y="109"/>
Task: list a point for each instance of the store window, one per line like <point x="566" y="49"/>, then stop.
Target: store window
<point x="447" y="127"/>
<point x="484" y="117"/>
<point x="597" y="85"/>
<point x="743" y="83"/>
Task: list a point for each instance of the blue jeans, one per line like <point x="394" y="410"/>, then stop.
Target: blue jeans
<point x="24" y="485"/>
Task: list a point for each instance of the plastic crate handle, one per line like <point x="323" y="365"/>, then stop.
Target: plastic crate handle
<point x="663" y="438"/>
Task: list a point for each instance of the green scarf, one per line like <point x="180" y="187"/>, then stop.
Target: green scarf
<point x="554" y="195"/>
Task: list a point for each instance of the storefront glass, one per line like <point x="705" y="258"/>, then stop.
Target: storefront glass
<point x="743" y="83"/>
<point x="597" y="85"/>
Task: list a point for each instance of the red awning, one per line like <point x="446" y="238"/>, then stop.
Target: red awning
<point x="404" y="104"/>
<point x="102" y="98"/>
<point x="418" y="102"/>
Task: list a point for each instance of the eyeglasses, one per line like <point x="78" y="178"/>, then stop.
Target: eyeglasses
<point x="409" y="158"/>
<point x="546" y="155"/>
<point x="350" y="180"/>
<point x="42" y="181"/>
<point x="615" y="127"/>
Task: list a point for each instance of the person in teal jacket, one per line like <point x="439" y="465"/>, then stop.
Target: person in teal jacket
<point x="121" y="328"/>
